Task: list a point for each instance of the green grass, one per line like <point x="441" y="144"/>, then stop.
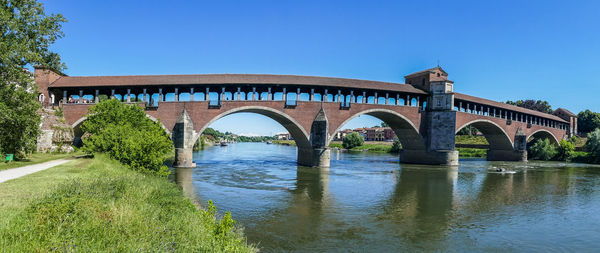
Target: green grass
<point x="285" y="142"/>
<point x="371" y="147"/>
<point x="91" y="205"/>
<point x="472" y="152"/>
<point x="34" y="159"/>
<point x="465" y="139"/>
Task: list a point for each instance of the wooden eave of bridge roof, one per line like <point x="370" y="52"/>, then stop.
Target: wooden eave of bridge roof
<point x="229" y="79"/>
<point x="506" y="106"/>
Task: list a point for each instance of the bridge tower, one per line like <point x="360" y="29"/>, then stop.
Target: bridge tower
<point x="438" y="122"/>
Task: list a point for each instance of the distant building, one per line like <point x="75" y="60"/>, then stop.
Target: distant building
<point x="339" y="135"/>
<point x="380" y="134"/>
<point x="568" y="116"/>
<point x="283" y="136"/>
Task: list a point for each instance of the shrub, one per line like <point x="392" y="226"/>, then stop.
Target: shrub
<point x="397" y="146"/>
<point x="127" y="135"/>
<point x="592" y="144"/>
<point x="565" y="150"/>
<point x="543" y="150"/>
<point x="352" y="140"/>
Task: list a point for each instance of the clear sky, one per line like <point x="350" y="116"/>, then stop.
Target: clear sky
<point x="500" y="50"/>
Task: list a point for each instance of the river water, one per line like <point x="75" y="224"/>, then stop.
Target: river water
<point x="370" y="203"/>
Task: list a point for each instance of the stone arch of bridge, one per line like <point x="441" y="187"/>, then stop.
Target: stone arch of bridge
<point x="542" y="134"/>
<point x="405" y="130"/>
<point x="495" y="135"/>
<point x="300" y="135"/>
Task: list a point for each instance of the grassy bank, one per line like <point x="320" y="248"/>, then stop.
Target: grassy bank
<point x="91" y="205"/>
<point x="471" y="153"/>
<point x="382" y="147"/>
<point x="34" y="159"/>
<point x="367" y="146"/>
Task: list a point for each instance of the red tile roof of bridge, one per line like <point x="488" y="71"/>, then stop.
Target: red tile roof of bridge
<point x="506" y="106"/>
<point x="155" y="80"/>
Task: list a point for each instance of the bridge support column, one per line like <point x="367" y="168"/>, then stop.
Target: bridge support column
<point x="314" y="157"/>
<point x="183" y="140"/>
<point x="518" y="154"/>
<point x="507" y="155"/>
<point x="434" y="157"/>
<point x="318" y="154"/>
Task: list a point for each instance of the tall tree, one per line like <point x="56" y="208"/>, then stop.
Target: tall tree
<point x="588" y="121"/>
<point x="539" y="105"/>
<point x="26" y="33"/>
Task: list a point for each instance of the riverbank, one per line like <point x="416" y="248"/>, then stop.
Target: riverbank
<point x="36" y="158"/>
<point x="98" y="204"/>
<point x="386" y="147"/>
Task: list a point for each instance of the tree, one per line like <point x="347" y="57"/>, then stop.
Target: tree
<point x="542" y="149"/>
<point x="592" y="144"/>
<point x="539" y="105"/>
<point x="352" y="140"/>
<point x="565" y="150"/>
<point x="397" y="146"/>
<point x="588" y="121"/>
<point x="26" y="34"/>
<point x="125" y="133"/>
<point x="383" y="124"/>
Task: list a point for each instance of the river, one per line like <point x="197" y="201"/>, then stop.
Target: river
<point x="369" y="202"/>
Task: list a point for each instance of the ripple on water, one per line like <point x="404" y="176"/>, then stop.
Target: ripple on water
<point x="369" y="202"/>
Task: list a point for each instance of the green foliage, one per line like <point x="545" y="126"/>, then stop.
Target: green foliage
<point x="214" y="133"/>
<point x="542" y="149"/>
<point x="539" y="105"/>
<point x="588" y="121"/>
<point x="127" y="135"/>
<point x="99" y="206"/>
<point x="397" y="146"/>
<point x="352" y="140"/>
<point x="27" y="33"/>
<point x="472" y="152"/>
<point x="468" y="130"/>
<point x="565" y="150"/>
<point x="466" y="139"/>
<point x="383" y="124"/>
<point x="592" y="144"/>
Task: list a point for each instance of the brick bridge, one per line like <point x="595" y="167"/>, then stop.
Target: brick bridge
<point x="424" y="113"/>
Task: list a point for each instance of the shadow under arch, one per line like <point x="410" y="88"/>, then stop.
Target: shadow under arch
<point x="301" y="137"/>
<point x="497" y="138"/>
<point x="405" y="130"/>
<point x="542" y="134"/>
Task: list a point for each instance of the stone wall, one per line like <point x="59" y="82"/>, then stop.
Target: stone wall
<point x="56" y="135"/>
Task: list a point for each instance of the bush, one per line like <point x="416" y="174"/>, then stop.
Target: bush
<point x="397" y="146"/>
<point x="127" y="135"/>
<point x="592" y="144"/>
<point x="565" y="150"/>
<point x="543" y="150"/>
<point x="352" y="140"/>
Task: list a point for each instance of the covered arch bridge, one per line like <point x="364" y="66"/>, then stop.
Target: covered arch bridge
<point x="425" y="113"/>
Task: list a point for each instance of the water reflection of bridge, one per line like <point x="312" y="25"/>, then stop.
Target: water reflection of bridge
<point x="425" y="205"/>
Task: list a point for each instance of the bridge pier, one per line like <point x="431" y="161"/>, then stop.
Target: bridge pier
<point x="518" y="154"/>
<point x="437" y="157"/>
<point x="507" y="155"/>
<point x="183" y="140"/>
<point x="318" y="154"/>
<point x="314" y="157"/>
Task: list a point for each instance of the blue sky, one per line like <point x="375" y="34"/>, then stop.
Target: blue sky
<point x="500" y="50"/>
